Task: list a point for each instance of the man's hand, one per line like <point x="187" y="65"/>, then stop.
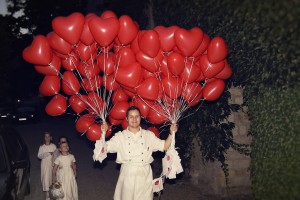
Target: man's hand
<point x="104" y="127"/>
<point x="173" y="128"/>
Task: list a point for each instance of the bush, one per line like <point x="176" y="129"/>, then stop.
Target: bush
<point x="276" y="143"/>
<point x="263" y="40"/>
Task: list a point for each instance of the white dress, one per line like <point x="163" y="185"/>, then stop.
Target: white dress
<point x="65" y="175"/>
<point x="46" y="164"/>
<point x="55" y="154"/>
<point x="134" y="152"/>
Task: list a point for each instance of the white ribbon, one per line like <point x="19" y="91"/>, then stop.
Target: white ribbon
<point x="172" y="162"/>
<point x="100" y="150"/>
<point x="157" y="184"/>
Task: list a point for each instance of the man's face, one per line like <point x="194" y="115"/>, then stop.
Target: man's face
<point x="134" y="119"/>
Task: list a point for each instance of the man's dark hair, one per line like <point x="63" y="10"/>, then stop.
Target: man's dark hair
<point x="132" y="108"/>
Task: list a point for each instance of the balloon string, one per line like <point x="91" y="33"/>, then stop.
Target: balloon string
<point x="99" y="92"/>
<point x="100" y="112"/>
<point x="53" y="68"/>
<point x="106" y="96"/>
<point x="93" y="100"/>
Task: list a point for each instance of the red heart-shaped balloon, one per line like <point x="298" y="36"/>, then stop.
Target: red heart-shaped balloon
<point x="166" y="37"/>
<point x="128" y="30"/>
<point x="107" y="63"/>
<point x="203" y="46"/>
<point x="188" y="41"/>
<point x="164" y="69"/>
<point x="39" y="52"/>
<point x="208" y="69"/>
<point x="147" y="74"/>
<point x="110" y="83"/>
<point x="57" y="105"/>
<point x="92" y="84"/>
<point x="104" y="30"/>
<point x="51" y="69"/>
<point x="94" y="132"/>
<point x="119" y="95"/>
<point x="156" y="114"/>
<point x="175" y="63"/>
<point x="77" y="103"/>
<point x="172" y="86"/>
<point x="143" y="105"/>
<point x="150" y="64"/>
<point x="58" y="44"/>
<point x="190" y="72"/>
<point x="84" y="122"/>
<point x="86" y="52"/>
<point x="213" y="90"/>
<point x="50" y="85"/>
<point x="130" y="75"/>
<point x="217" y="50"/>
<point x="225" y="73"/>
<point x="71" y="62"/>
<point x="149" y="43"/>
<point x="95" y="103"/>
<point x="118" y="111"/>
<point x="86" y="35"/>
<point x="108" y="14"/>
<point x="148" y="89"/>
<point x="131" y="92"/>
<point x="125" y="57"/>
<point x="191" y="91"/>
<point x="134" y="45"/>
<point x="115" y="121"/>
<point x="69" y="28"/>
<point x="70" y="83"/>
<point x="88" y="71"/>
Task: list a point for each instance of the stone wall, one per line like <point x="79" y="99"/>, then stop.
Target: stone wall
<point x="209" y="177"/>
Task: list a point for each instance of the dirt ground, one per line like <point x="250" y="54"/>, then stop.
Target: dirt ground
<point x="95" y="181"/>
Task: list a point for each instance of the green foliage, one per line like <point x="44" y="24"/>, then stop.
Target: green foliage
<point x="275" y="159"/>
<point x="25" y="20"/>
<point x="263" y="40"/>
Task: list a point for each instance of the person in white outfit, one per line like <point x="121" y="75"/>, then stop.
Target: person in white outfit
<point x="56" y="153"/>
<point x="134" y="147"/>
<point x="45" y="154"/>
<point x="64" y="171"/>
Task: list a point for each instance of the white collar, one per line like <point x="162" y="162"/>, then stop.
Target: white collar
<point x="134" y="135"/>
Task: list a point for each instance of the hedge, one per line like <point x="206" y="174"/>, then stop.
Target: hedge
<point x="263" y="39"/>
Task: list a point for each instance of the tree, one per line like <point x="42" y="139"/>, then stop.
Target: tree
<point x="25" y="20"/>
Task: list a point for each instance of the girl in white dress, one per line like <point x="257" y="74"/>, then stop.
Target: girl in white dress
<point x="45" y="154"/>
<point x="64" y="171"/>
<point x="56" y="153"/>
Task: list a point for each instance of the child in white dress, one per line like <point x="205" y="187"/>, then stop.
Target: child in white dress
<point x="45" y="154"/>
<point x="64" y="171"/>
<point x="56" y="153"/>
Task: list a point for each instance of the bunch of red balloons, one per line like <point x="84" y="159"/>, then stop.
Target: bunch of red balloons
<point x="101" y="65"/>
